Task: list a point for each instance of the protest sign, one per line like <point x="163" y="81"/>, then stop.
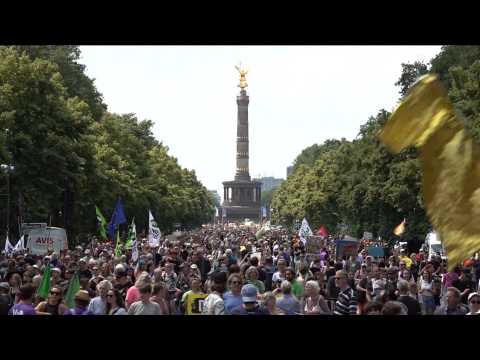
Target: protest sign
<point x="367" y="235"/>
<point x="376" y="251"/>
<point x="314" y="244"/>
<point x="346" y="247"/>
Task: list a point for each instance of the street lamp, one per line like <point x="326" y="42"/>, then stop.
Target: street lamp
<point x="9" y="169"/>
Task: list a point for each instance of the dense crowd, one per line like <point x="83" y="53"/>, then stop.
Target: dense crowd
<point x="228" y="271"/>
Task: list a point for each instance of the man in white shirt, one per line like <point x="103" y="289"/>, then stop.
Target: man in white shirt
<point x="279" y="275"/>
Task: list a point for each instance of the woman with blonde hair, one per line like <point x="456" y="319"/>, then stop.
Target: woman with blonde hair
<point x="133" y="293"/>
<point x="98" y="305"/>
<point x="314" y="303"/>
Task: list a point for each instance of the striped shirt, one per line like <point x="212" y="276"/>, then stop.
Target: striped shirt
<point x="346" y="302"/>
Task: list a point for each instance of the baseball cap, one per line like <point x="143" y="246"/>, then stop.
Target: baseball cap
<point x="249" y="293"/>
<point x="57" y="270"/>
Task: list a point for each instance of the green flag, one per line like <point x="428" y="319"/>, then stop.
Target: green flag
<point x="73" y="288"/>
<point x="118" y="251"/>
<point x="44" y="287"/>
<point x="102" y="223"/>
<point x="132" y="235"/>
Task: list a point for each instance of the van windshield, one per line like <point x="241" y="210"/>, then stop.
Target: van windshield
<point x="437" y="248"/>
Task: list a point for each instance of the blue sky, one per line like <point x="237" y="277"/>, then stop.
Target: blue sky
<point x="299" y="95"/>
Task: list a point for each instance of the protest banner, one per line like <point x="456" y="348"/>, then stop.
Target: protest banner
<point x="346" y="247"/>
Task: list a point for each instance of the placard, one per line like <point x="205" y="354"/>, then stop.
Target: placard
<point x="367" y="235"/>
<point x="376" y="251"/>
<point x="314" y="244"/>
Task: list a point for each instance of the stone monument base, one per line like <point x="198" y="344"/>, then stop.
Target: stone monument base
<point x="240" y="213"/>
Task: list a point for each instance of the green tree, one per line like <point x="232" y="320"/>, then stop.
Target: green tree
<point x="48" y="133"/>
<point x="410" y="74"/>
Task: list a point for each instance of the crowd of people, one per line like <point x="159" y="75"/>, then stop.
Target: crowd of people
<point x="228" y="271"/>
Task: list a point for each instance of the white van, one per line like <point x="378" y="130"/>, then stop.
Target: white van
<point x="42" y="240"/>
<point x="434" y="245"/>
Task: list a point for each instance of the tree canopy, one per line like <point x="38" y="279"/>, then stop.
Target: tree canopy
<point x="358" y="185"/>
<point x="69" y="153"/>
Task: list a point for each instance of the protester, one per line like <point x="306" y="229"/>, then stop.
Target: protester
<point x="233" y="297"/>
<point x="315" y="303"/>
<point x="252" y="278"/>
<point x="82" y="300"/>
<point x="394" y="308"/>
<point x="426" y="293"/>
<point x="297" y="287"/>
<point x="24" y="305"/>
<point x="6" y="301"/>
<point x="214" y="304"/>
<point x="413" y="306"/>
<point x="454" y="305"/>
<point x="98" y="305"/>
<point x="465" y="284"/>
<point x="373" y="308"/>
<point x="270" y="304"/>
<point x="346" y="303"/>
<point x="250" y="304"/>
<point x="53" y="305"/>
<point x="144" y="306"/>
<point x="474" y="302"/>
<point x="115" y="303"/>
<point x="193" y="300"/>
<point x="133" y="293"/>
<point x="288" y="303"/>
<point x="187" y="274"/>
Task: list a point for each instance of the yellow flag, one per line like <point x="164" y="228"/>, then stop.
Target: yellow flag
<point x="450" y="163"/>
<point x="400" y="229"/>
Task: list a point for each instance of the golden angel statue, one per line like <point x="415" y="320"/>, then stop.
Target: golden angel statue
<point x="243" y="81"/>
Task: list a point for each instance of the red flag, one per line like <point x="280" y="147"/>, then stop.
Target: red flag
<point x="322" y="231"/>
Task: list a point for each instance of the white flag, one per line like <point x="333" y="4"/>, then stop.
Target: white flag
<point x="8" y="247"/>
<point x="304" y="231"/>
<point x="154" y="233"/>
<point x="135" y="250"/>
<point x="216" y="212"/>
<point x="264" y="211"/>
<point x="20" y="244"/>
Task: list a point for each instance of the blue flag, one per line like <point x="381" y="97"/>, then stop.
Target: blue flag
<point x="118" y="217"/>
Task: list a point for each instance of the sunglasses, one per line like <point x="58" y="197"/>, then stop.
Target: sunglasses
<point x="110" y="295"/>
<point x="475" y="302"/>
<point x="339" y="278"/>
<point x="235" y="282"/>
<point x="54" y="293"/>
